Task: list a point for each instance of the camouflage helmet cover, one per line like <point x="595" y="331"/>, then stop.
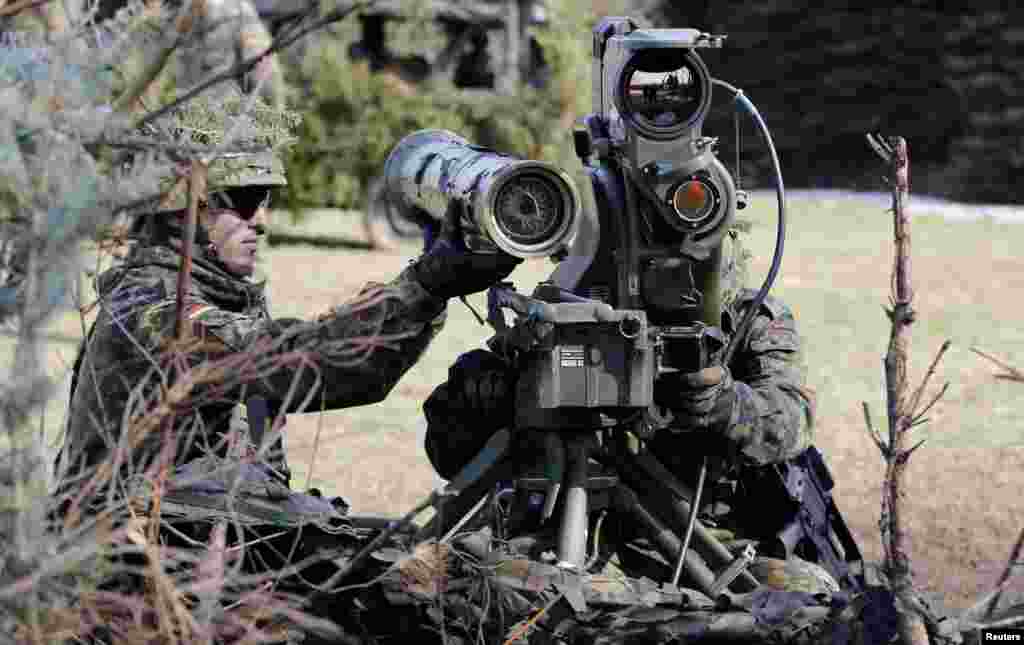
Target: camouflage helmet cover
<point x="232" y="170"/>
<point x="205" y="123"/>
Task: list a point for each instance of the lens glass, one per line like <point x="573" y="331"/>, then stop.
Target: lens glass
<point x="663" y="98"/>
<point x="693" y="201"/>
<point x="529" y="209"/>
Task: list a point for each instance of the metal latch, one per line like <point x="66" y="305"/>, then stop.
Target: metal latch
<point x="733" y="571"/>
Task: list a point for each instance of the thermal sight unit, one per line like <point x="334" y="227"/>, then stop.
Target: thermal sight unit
<point x="651" y="94"/>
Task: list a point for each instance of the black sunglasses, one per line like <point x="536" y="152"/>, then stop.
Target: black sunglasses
<point x="243" y="201"/>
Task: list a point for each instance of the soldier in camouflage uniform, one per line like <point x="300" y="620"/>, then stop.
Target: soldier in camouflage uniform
<point x="227" y="33"/>
<point x="754" y="412"/>
<point x="228" y="311"/>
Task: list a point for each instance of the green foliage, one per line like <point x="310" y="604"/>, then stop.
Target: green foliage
<point x="246" y="121"/>
<point x="350" y="124"/>
<point x="352" y="117"/>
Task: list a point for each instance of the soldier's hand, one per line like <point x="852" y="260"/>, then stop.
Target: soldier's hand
<point x="463" y="412"/>
<point x="703" y="400"/>
<point x="482" y="384"/>
<point x="447" y="269"/>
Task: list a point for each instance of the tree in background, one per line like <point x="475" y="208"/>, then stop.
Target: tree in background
<point x="947" y="76"/>
<point x="354" y="111"/>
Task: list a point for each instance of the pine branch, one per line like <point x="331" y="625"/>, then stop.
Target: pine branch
<point x="177" y="151"/>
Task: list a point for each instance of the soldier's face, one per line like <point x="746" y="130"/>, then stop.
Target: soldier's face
<point x="235" y="232"/>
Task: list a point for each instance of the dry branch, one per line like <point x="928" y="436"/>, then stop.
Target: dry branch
<point x="1011" y="374"/>
<point x="54" y="563"/>
<point x="1011" y="564"/>
<point x="248" y="64"/>
<point x="196" y="193"/>
<point x="17" y="7"/>
<point x="904" y="410"/>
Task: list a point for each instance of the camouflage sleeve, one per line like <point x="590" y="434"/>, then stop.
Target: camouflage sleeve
<point x="776" y="410"/>
<point x="354" y="355"/>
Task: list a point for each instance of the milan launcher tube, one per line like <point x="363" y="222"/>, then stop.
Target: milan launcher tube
<point x="524" y="207"/>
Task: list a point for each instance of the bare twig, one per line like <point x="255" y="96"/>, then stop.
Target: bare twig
<point x="526" y="626"/>
<point x="17" y="7"/>
<point x="875" y="436"/>
<point x="175" y="149"/>
<point x="902" y="316"/>
<point x="915" y="401"/>
<point x="357" y="560"/>
<point x="881" y="147"/>
<point x="249" y="63"/>
<point x="1012" y="373"/>
<point x="919" y="417"/>
<point x="1012" y="563"/>
<point x="196" y="192"/>
<point x="902" y="411"/>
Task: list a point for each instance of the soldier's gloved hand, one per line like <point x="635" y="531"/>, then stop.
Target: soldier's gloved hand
<point x="481" y="383"/>
<point x="447" y="269"/>
<point x="463" y="412"/>
<point x="705" y="400"/>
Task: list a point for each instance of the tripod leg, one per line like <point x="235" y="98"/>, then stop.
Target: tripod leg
<point x="476" y="480"/>
<point x="645" y="473"/>
<point x="572" y="534"/>
<point x="667" y="542"/>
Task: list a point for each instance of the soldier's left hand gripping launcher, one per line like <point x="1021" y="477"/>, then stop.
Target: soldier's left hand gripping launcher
<point x="638" y="238"/>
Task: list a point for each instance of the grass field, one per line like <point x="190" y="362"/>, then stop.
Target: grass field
<point x="964" y="485"/>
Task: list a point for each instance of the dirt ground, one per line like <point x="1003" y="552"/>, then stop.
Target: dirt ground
<point x="963" y="508"/>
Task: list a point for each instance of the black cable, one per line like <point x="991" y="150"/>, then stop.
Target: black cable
<point x="780" y="236"/>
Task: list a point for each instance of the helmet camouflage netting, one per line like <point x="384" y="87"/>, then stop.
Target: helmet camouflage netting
<point x="263" y="131"/>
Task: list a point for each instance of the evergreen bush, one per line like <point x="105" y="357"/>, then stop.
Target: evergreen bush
<point x="353" y="117"/>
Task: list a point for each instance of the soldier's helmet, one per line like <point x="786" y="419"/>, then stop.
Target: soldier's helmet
<point x="248" y="136"/>
<point x="231" y="171"/>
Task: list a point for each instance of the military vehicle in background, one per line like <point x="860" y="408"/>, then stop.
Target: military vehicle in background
<point x="488" y="46"/>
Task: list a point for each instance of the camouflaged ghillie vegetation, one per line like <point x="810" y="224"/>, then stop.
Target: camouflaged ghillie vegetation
<point x="359" y="353"/>
<point x="249" y="124"/>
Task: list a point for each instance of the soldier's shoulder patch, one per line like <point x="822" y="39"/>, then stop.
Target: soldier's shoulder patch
<point x="772" y="306"/>
<point x="197" y="310"/>
<point x="130" y="298"/>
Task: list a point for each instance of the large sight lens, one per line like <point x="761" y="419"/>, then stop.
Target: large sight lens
<point x="663" y="92"/>
<point x="525" y="208"/>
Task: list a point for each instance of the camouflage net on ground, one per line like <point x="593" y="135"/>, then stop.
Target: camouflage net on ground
<point x="474" y="588"/>
<point x="473" y="591"/>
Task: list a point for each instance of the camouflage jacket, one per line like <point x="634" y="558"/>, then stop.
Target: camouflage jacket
<point x="325" y="363"/>
<point x="776" y="411"/>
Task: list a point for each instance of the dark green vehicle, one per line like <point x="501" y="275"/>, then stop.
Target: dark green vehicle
<point x="485" y="46"/>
